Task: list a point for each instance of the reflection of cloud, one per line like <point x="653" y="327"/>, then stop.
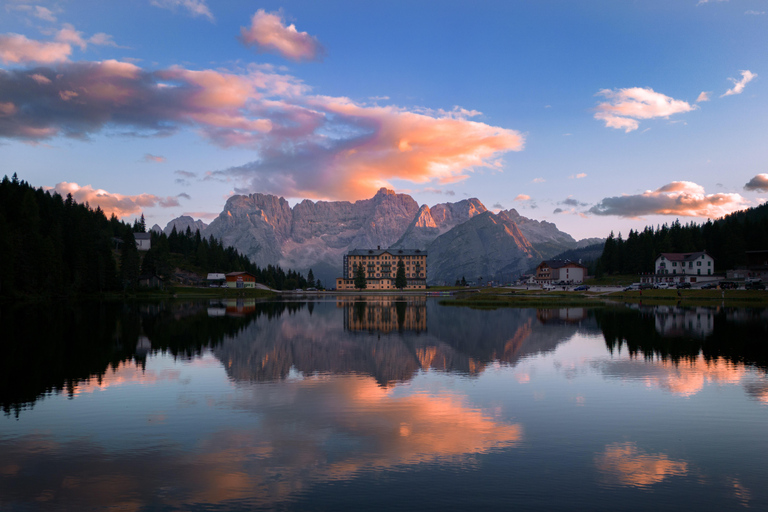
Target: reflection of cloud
<point x="624" y="464"/>
<point x="675" y="198"/>
<point x="316" y="430"/>
<point x="126" y="372"/>
<point x="685" y="378"/>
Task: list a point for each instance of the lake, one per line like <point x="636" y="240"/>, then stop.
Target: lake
<point x="382" y="403"/>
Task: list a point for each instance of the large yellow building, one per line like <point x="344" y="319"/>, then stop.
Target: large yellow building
<point x="381" y="268"/>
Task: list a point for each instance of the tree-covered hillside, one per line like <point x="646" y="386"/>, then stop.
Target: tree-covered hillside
<point x="726" y="240"/>
<point x="53" y="246"/>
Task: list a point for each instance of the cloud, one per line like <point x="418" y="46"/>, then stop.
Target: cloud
<point x="625" y="106"/>
<point x="754" y="13"/>
<point x="538" y="180"/>
<point x="677" y="198"/>
<point x="578" y="176"/>
<point x="184" y="195"/>
<point x="186" y="174"/>
<point x="558" y="210"/>
<point x="16" y="48"/>
<point x="305" y="145"/>
<point x="522" y="197"/>
<point x="269" y="34"/>
<point x="120" y="205"/>
<point x="569" y="201"/>
<point x="43" y="13"/>
<point x="194" y="7"/>
<point x="759" y="182"/>
<point x="354" y="150"/>
<point x="738" y="85"/>
<point x="153" y="158"/>
<point x="202" y="215"/>
<point x="704" y="96"/>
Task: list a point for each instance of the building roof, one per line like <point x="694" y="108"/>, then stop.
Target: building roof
<point x="560" y="263"/>
<point x="683" y="256"/>
<point x="241" y="273"/>
<point x="394" y="252"/>
<point x="142" y="236"/>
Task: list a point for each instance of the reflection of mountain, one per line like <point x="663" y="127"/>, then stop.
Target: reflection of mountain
<point x="446" y="339"/>
<point x="385" y="314"/>
<point x="737" y="335"/>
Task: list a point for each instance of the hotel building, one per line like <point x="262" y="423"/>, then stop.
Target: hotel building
<point x="381" y="268"/>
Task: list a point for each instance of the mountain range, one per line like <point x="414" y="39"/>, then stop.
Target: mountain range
<point x="462" y="239"/>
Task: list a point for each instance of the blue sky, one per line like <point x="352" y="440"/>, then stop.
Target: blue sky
<point x="587" y="114"/>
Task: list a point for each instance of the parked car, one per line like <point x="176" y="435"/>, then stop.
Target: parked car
<point x="663" y="286"/>
<point x="632" y="287"/>
<point x="683" y="285"/>
<point x="754" y="285"/>
<point x="647" y="286"/>
<point x="581" y="288"/>
<point x="728" y="285"/>
<point x="709" y="286"/>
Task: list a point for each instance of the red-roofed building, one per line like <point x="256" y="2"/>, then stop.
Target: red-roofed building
<point x="241" y="280"/>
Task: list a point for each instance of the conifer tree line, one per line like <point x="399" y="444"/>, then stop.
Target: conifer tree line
<point x="54" y="246"/>
<point x="726" y="240"/>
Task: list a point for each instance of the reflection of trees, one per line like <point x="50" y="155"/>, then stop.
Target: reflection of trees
<point x="736" y="338"/>
<point x="55" y="347"/>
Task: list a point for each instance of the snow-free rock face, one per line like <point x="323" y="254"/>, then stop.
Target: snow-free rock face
<point x="462" y="238"/>
<point x="487" y="245"/>
<point x="181" y="224"/>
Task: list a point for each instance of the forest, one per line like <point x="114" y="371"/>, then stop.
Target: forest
<point x="726" y="239"/>
<point x="51" y="246"/>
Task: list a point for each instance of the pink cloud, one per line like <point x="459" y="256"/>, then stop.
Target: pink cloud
<point x="16" y="48"/>
<point x="738" y="85"/>
<point x="683" y="198"/>
<point x="153" y="158"/>
<point x="119" y="204"/>
<point x="523" y="197"/>
<point x="269" y="34"/>
<point x="578" y="176"/>
<point x="625" y="106"/>
<point x="307" y="146"/>
<point x="704" y="96"/>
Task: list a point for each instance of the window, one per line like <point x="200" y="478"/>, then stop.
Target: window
<point x="674" y="263"/>
<point x="698" y="263"/>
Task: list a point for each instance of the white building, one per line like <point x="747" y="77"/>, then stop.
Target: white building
<point x="143" y="241"/>
<point x="685" y="263"/>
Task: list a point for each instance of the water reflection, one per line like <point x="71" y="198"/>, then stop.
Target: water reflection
<point x="624" y="464"/>
<point x="385" y="314"/>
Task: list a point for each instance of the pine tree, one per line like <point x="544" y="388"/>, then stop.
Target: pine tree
<point x="360" y="282"/>
<point x="311" y="279"/>
<point x="400" y="280"/>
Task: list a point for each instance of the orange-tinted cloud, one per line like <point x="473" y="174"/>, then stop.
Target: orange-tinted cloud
<point x="676" y="198"/>
<point x="154" y="158"/>
<point x="307" y="146"/>
<point x="738" y="85"/>
<point x="15" y="48"/>
<point x="624" y="464"/>
<point x="759" y="182"/>
<point x="268" y="33"/>
<point x="704" y="96"/>
<point x="625" y="106"/>
<point x="522" y="197"/>
<point x="119" y="204"/>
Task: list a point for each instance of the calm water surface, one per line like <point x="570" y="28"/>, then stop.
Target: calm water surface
<point x="376" y="404"/>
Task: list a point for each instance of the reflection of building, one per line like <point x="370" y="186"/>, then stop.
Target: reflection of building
<point x="692" y="322"/>
<point x="381" y="268"/>
<point x="554" y="271"/>
<point x="240" y="307"/>
<point x="385" y="315"/>
<point x="562" y="315"/>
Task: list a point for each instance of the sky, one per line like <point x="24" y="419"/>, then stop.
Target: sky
<point x="598" y="116"/>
